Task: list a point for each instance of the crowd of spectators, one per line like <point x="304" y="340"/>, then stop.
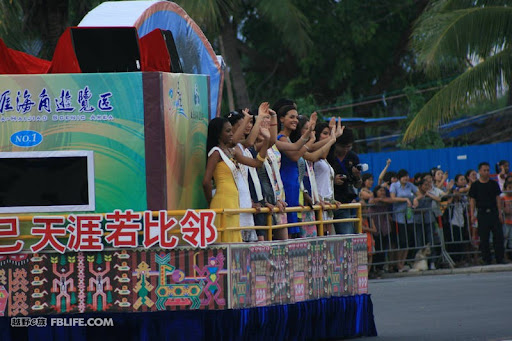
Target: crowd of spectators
<point x="463" y="214"/>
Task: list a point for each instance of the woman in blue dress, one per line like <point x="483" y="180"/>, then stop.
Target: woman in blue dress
<point x="291" y="152"/>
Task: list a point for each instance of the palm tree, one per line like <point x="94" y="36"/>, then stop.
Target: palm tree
<point x="224" y="18"/>
<point x="472" y="37"/>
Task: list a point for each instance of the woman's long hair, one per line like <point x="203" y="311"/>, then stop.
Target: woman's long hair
<point x="320" y="126"/>
<point x="214" y="130"/>
<point x="297" y="133"/>
<point x="281" y="107"/>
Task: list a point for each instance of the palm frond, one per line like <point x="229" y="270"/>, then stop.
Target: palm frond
<point x="447" y="39"/>
<point x="440" y="6"/>
<point x="290" y="23"/>
<point x="486" y="81"/>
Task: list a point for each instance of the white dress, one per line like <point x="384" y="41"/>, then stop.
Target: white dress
<point x="244" y="195"/>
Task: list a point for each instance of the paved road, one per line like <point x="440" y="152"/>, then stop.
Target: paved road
<point x="462" y="307"/>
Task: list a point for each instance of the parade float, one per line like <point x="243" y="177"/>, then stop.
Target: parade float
<point x="102" y="211"/>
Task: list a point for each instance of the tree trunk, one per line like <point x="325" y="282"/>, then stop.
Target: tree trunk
<point x="49" y="18"/>
<point x="57" y="21"/>
<point x="227" y="77"/>
<point x="232" y="57"/>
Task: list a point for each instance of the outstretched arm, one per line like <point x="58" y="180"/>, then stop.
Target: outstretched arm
<point x="381" y="175"/>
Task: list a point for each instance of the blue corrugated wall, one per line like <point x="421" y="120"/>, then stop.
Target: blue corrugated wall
<point x="454" y="160"/>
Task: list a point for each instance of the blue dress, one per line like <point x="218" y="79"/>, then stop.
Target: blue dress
<point x="290" y="176"/>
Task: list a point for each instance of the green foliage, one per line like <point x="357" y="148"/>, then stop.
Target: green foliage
<point x="467" y="36"/>
<point x="354" y="52"/>
<point x="429" y="139"/>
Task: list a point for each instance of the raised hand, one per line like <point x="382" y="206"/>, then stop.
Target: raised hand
<point x="333" y="134"/>
<point x="312" y="121"/>
<point x="388" y="162"/>
<point x="263" y="110"/>
<point x="312" y="136"/>
<point x="265" y="132"/>
<point x="339" y="128"/>
<point x="332" y="123"/>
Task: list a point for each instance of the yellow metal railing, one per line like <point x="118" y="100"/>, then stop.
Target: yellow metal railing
<point x="320" y="222"/>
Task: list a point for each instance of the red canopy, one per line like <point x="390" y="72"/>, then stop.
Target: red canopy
<point x="16" y="62"/>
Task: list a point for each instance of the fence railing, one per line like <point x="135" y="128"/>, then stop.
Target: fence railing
<point x="451" y="237"/>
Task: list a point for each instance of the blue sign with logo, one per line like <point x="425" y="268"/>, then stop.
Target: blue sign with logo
<point x="26" y="138"/>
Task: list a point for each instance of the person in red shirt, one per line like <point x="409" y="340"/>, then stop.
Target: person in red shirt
<point x="506" y="199"/>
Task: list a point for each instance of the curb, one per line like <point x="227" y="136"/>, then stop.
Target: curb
<point x="467" y="270"/>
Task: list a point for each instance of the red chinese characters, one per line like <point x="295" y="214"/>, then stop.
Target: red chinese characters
<point x="156" y="231"/>
<point x="124" y="226"/>
<point x="13" y="230"/>
<point x="198" y="229"/>
<point x="85" y="232"/>
<point x="49" y="233"/>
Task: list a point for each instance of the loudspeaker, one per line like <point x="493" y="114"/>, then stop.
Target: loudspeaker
<point x="173" y="52"/>
<point x="106" y="49"/>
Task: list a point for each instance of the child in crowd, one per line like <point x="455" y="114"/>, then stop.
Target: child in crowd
<point x="365" y="193"/>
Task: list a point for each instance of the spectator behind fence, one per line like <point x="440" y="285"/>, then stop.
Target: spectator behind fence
<point x="441" y="179"/>
<point x="388" y="179"/>
<point x="502" y="171"/>
<point x="380" y="213"/>
<point x="471" y="176"/>
<point x="380" y="179"/>
<point x="455" y="220"/>
<point x="506" y="199"/>
<point x="425" y="220"/>
<point x="403" y="194"/>
<point x="366" y="194"/>
<point x="485" y="199"/>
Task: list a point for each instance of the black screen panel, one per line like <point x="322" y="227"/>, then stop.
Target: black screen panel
<point x="47" y="181"/>
<point x="112" y="49"/>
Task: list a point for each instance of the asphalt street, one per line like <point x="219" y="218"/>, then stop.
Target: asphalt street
<point x="462" y="307"/>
